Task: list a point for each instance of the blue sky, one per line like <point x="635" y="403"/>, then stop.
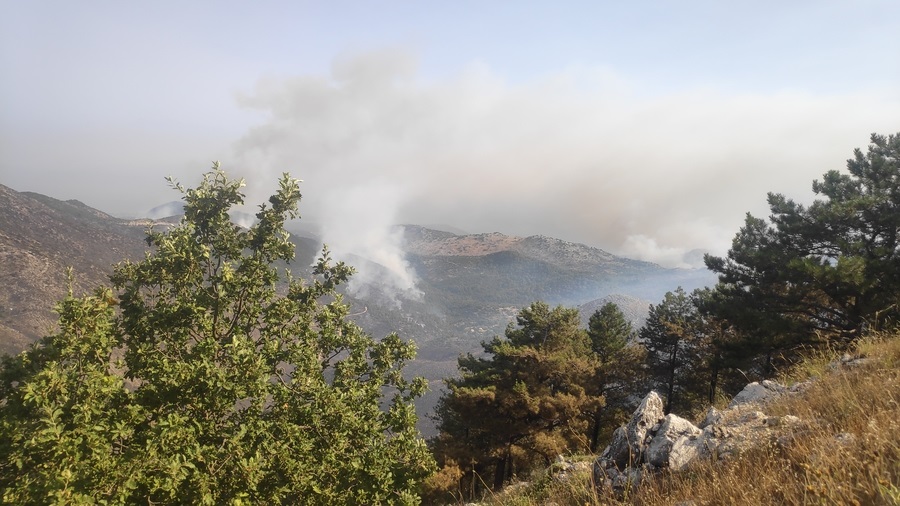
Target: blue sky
<point x="647" y="128"/>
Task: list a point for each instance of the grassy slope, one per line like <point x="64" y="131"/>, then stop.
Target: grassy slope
<point x="848" y="452"/>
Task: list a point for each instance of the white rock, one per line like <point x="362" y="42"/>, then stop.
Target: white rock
<point x="686" y="450"/>
<point x="713" y="416"/>
<point x="627" y="444"/>
<point x="757" y="393"/>
<point x="753" y="416"/>
<point x="672" y="429"/>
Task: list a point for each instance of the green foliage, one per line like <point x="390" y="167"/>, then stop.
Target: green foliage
<point x="609" y="331"/>
<point x="65" y="419"/>
<point x="830" y="269"/>
<point x="725" y="361"/>
<point x="216" y="382"/>
<point x="521" y="404"/>
<point x="618" y="373"/>
<point x="673" y="336"/>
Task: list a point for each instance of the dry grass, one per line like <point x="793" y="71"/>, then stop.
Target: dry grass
<point x="847" y="451"/>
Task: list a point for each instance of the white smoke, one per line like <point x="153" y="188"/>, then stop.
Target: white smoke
<point x="576" y="155"/>
<point x="242" y="219"/>
<point x="357" y="221"/>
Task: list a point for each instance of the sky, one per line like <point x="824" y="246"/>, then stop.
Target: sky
<point x="646" y="128"/>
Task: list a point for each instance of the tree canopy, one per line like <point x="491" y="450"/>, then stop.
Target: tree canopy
<point x="829" y="269"/>
<point x="207" y="376"/>
<point x="619" y="368"/>
<point x="671" y="336"/>
<point x="608" y="331"/>
<point x="524" y="402"/>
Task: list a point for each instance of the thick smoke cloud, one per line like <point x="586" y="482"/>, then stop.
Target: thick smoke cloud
<point x="582" y="155"/>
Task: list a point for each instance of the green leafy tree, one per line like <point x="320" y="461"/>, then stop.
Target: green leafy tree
<point x="830" y="269"/>
<point x="522" y="403"/>
<point x="66" y="421"/>
<point x="207" y="377"/>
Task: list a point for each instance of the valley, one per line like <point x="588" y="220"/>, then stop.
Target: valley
<point x="471" y="285"/>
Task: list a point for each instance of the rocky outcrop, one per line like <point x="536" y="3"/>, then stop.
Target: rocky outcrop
<point x="757" y="393"/>
<point x="626" y="447"/>
<point x="563" y="469"/>
<point x="652" y="441"/>
<point x="670" y="444"/>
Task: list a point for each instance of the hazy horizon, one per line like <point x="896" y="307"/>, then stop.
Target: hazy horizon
<point x="647" y="130"/>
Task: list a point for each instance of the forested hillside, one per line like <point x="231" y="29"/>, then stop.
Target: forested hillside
<point x="810" y="278"/>
<point x="472" y="285"/>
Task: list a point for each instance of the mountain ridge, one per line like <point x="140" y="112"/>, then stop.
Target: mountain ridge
<point x="423" y="241"/>
<point x="39" y="238"/>
<point x="471" y="286"/>
<point x="461" y="274"/>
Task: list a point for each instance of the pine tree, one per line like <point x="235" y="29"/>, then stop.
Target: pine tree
<point x="609" y="331"/>
<point x="830" y="269"/>
<point x="672" y="338"/>
<point x="619" y="368"/>
<point x="522" y="403"/>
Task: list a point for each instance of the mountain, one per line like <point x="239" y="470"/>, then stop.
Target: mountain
<point x="635" y="310"/>
<point x="173" y="208"/>
<point x="40" y="237"/>
<point x="471" y="286"/>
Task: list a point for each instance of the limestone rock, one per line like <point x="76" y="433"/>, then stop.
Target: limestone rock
<point x="626" y="447"/>
<point x="618" y="467"/>
<point x="651" y="442"/>
<point x="685" y="450"/>
<point x="757" y="392"/>
<point x="713" y="416"/>
<point x="671" y="430"/>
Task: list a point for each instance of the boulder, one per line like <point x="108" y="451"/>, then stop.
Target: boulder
<point x="618" y="467"/>
<point x="628" y="442"/>
<point x="757" y="392"/>
<point x="713" y="416"/>
<point x="671" y="430"/>
<point x="687" y="449"/>
<point x="651" y="441"/>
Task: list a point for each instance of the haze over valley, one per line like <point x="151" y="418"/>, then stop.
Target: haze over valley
<point x="446" y="291"/>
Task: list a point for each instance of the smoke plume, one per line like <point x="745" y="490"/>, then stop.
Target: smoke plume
<point x="583" y="155"/>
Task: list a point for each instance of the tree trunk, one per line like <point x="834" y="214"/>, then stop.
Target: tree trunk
<point x="671" y="386"/>
<point x="713" y="380"/>
<point x="595" y="430"/>
<point x="499" y="473"/>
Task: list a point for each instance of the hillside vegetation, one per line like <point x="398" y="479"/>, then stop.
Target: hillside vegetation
<point x="207" y="375"/>
<point x="809" y="278"/>
<point x="39" y="238"/>
<point x="846" y="451"/>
